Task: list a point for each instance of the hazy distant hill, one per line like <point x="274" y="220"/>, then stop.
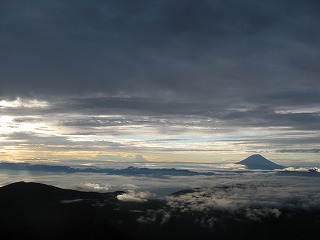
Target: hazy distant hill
<point x="256" y="161"/>
<point x="129" y="171"/>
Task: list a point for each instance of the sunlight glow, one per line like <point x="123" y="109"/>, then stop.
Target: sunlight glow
<point x="8" y="125"/>
<point x="5" y="124"/>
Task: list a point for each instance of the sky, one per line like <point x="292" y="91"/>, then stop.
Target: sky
<point x="169" y="80"/>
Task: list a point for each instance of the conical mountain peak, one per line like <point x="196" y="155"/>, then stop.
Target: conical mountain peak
<point x="256" y="161"/>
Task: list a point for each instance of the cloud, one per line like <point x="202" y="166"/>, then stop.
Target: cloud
<point x="272" y="196"/>
<point x="308" y="150"/>
<point x="243" y="72"/>
<point x="257" y="214"/>
<point x="149" y="48"/>
<point x="23" y="103"/>
<point x="254" y="198"/>
<point x="119" y="158"/>
<point x="159" y="216"/>
<point x="133" y="125"/>
<point x="302" y="169"/>
<point x="132" y="196"/>
<point x="138" y="158"/>
<point x="96" y="187"/>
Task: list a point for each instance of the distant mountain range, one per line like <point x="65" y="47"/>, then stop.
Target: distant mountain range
<point x="256" y="161"/>
<point x="129" y="171"/>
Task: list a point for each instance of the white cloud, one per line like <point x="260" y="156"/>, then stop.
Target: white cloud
<point x="132" y="196"/>
<point x="23" y="103"/>
<point x="254" y="193"/>
<point x="302" y="169"/>
<point x="97" y="187"/>
<point x="120" y="158"/>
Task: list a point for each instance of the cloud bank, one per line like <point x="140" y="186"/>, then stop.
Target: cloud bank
<point x="93" y="78"/>
<point x="251" y="199"/>
<point x="149" y="47"/>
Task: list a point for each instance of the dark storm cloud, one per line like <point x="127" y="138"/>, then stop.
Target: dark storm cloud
<point x="231" y="49"/>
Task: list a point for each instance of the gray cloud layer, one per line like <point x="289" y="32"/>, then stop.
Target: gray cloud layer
<point x="180" y="48"/>
<point x="169" y="67"/>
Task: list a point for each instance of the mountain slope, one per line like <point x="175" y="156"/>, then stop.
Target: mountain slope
<point x="256" y="161"/>
<point x="39" y="211"/>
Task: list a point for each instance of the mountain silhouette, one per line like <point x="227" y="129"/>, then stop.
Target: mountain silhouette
<point x="39" y="211"/>
<point x="256" y="161"/>
<point x="129" y="171"/>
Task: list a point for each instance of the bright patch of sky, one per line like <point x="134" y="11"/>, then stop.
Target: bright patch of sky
<point x="45" y="131"/>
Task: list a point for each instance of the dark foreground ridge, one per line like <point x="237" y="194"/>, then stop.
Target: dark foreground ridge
<point x="256" y="161"/>
<point x="38" y="211"/>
